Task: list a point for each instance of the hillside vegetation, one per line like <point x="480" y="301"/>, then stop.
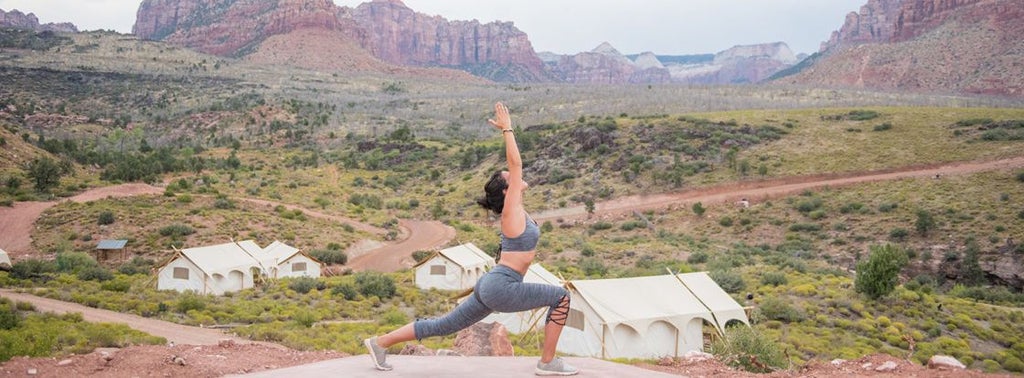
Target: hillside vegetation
<point x="220" y="135"/>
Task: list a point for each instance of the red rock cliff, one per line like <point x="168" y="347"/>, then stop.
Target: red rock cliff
<point x="386" y="28"/>
<point x="883" y="21"/>
<point x="16" y="19"/>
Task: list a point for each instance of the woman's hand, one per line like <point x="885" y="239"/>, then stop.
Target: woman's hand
<point x="501" y="121"/>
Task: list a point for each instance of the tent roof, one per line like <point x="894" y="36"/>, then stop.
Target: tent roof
<point x="111" y="244"/>
<point x="721" y="304"/>
<point x="639" y="300"/>
<point x="225" y="257"/>
<point x="280" y="251"/>
<point x="466" y="255"/>
<point x="537" y="274"/>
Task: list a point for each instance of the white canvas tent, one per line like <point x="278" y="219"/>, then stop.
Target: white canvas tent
<point x="291" y="262"/>
<point x="455" y="268"/>
<point x="525" y="321"/>
<point x="644" y="317"/>
<point x="215" y="269"/>
<point x="5" y="260"/>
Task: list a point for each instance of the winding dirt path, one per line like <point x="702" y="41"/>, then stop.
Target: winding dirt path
<point x="762" y="190"/>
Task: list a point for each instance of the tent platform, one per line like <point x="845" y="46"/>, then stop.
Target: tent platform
<point x="360" y="366"/>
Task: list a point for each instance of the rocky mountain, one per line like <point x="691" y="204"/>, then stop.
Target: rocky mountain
<point x="19" y="20"/>
<point x="387" y="29"/>
<point x="737" y="65"/>
<point x="945" y="46"/>
<point x="606" y="65"/>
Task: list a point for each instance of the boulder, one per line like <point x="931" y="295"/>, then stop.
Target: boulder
<point x="484" y="339"/>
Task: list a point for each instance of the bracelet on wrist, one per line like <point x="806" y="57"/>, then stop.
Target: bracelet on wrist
<point x="508" y="130"/>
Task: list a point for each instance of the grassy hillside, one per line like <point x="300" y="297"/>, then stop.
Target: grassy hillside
<point x="220" y="133"/>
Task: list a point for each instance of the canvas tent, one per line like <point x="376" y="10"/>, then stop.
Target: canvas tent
<point x="525" y="321"/>
<point x="290" y="262"/>
<point x="5" y="260"/>
<point x="455" y="268"/>
<point x="215" y="269"/>
<point x="644" y="317"/>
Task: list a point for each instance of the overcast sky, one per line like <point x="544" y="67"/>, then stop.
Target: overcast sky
<point x="666" y="27"/>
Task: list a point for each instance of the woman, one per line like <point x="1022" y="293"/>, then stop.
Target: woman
<point x="501" y="289"/>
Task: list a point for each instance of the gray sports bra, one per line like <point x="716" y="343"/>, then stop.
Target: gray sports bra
<point x="525" y="242"/>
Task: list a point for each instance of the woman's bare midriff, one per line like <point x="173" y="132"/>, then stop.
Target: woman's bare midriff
<point x="518" y="261"/>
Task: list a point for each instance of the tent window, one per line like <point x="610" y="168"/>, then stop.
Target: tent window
<point x="437" y="270"/>
<point x="181" y="273"/>
<point x="575" y="319"/>
<point x="299" y="267"/>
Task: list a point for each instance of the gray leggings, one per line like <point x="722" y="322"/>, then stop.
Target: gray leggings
<point x="502" y="289"/>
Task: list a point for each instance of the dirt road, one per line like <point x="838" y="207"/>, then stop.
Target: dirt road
<point x="766" y="189"/>
<point x="422" y="236"/>
<point x="16" y="223"/>
<point x="177" y="333"/>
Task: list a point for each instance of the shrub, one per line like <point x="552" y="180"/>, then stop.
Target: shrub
<point x="773" y="308"/>
<point x="95" y="273"/>
<point x="593" y="267"/>
<point x="883" y="127"/>
<point x="698" y="257"/>
<point x="774" y="278"/>
<point x="801" y="227"/>
<point x="725" y="221"/>
<point x="223" y="203"/>
<point x="345" y="290"/>
<point x="898" y="233"/>
<point x="745" y="348"/>
<point x="330" y="256"/>
<point x="304" y="285"/>
<point x="1020" y="177"/>
<point x="877" y="276"/>
<point x="137" y="265"/>
<point x="74" y="262"/>
<point x="177" y="230"/>
<point x="888" y="206"/>
<point x="698" y="208"/>
<point x="305" y="318"/>
<point x="189" y="301"/>
<point x="730" y="281"/>
<point x="32" y="268"/>
<point x="375" y="284"/>
<point x="106" y="217"/>
<point x="419" y="256"/>
<point x="9" y="317"/>
<point x="925" y="222"/>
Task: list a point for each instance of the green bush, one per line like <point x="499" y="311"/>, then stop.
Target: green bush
<point x="74" y="262"/>
<point x="189" y="301"/>
<point x="725" y="221"/>
<point x="877" y="276"/>
<point x="419" y="256"/>
<point x="773" y="308"/>
<point x="105" y="218"/>
<point x="1020" y="177"/>
<point x="177" y="230"/>
<point x="802" y="227"/>
<point x="883" y="127"/>
<point x="32" y="268"/>
<point x="137" y="265"/>
<point x="347" y="291"/>
<point x="698" y="257"/>
<point x="95" y="273"/>
<point x="730" y="281"/>
<point x="888" y="206"/>
<point x="9" y="316"/>
<point x="1013" y="364"/>
<point x="329" y="256"/>
<point x="375" y="284"/>
<point x="774" y="278"/>
<point x="593" y="267"/>
<point x="745" y="348"/>
<point x="304" y="285"/>
<point x="898" y="233"/>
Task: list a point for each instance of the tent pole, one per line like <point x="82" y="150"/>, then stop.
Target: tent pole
<point x="718" y="327"/>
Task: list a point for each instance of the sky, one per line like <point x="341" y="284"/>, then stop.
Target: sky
<point x="665" y="27"/>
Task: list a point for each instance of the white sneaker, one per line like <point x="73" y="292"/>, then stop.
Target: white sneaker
<point x="378" y="354"/>
<point x="557" y="366"/>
